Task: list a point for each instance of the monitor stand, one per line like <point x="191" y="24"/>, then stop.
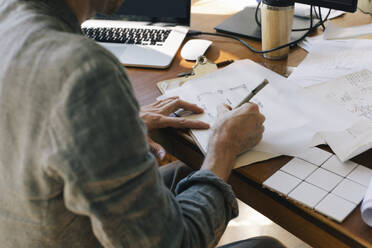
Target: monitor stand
<point x="244" y="24"/>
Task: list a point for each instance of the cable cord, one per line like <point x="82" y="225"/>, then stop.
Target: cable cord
<point x="365" y="12"/>
<point x="320" y="16"/>
<point x="290" y="44"/>
<point x="320" y="23"/>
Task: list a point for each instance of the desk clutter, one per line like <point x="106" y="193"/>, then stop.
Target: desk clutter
<point x="328" y="183"/>
<point x="323" y="183"/>
<point x="303" y="111"/>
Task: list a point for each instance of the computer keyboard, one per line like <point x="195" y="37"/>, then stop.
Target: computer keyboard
<point x="138" y="36"/>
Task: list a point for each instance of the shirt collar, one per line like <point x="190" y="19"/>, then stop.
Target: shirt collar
<point x="60" y="10"/>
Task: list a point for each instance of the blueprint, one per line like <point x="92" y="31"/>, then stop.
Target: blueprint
<point x="352" y="92"/>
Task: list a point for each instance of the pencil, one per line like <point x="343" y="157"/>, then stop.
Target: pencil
<point x="253" y="92"/>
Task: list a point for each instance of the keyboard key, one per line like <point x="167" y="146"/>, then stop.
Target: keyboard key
<point x="137" y="36"/>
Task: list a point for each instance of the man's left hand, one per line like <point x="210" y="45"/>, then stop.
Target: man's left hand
<point x="156" y="116"/>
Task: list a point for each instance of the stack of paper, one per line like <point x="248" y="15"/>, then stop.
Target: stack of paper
<point x="352" y="92"/>
<point x="334" y="32"/>
<point x="277" y="102"/>
<point x="230" y="85"/>
<point x="329" y="60"/>
<point x="293" y="116"/>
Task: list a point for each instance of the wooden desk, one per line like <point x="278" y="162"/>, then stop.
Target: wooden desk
<point x="313" y="228"/>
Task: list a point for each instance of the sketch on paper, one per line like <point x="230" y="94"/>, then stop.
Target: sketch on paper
<point x="353" y="92"/>
<point x="209" y="100"/>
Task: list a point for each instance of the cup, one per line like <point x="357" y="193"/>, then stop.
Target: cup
<point x="276" y="26"/>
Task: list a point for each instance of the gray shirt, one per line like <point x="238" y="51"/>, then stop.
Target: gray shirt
<point x="75" y="168"/>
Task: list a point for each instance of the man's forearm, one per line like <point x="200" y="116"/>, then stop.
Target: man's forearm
<point x="220" y="160"/>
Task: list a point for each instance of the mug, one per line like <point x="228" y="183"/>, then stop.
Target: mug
<point x="276" y="26"/>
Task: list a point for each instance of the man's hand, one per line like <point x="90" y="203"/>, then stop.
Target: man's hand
<point x="235" y="132"/>
<point x="156" y="116"/>
<point x="239" y="130"/>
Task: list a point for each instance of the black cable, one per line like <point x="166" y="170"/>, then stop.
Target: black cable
<point x="365" y="12"/>
<point x="194" y="33"/>
<point x="256" y="14"/>
<point x="316" y="13"/>
<point x="316" y="25"/>
<point x="320" y="17"/>
<point x="311" y="16"/>
<point x="290" y="44"/>
<point x="298" y="29"/>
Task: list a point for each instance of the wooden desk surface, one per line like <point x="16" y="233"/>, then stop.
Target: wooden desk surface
<point x="313" y="228"/>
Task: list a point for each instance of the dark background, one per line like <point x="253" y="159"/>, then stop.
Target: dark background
<point x="155" y="8"/>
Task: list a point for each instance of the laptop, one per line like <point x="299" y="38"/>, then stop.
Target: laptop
<point x="142" y="33"/>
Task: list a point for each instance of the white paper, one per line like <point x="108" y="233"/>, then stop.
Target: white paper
<point x="230" y="85"/>
<point x="334" y="31"/>
<point x="324" y="115"/>
<point x="353" y="92"/>
<point x="303" y="10"/>
<point x="220" y="7"/>
<point x="293" y="115"/>
<point x="351" y="142"/>
<point x="328" y="60"/>
<point x="366" y="207"/>
<point x="309" y="41"/>
<point x="253" y="157"/>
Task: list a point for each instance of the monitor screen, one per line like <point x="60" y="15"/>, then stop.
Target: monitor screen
<point x="171" y="11"/>
<point x="345" y="5"/>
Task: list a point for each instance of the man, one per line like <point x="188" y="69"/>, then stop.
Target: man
<point x="75" y="166"/>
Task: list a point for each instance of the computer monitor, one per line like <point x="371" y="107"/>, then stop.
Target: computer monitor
<point x="175" y="11"/>
<point x="345" y="5"/>
<point x="244" y="23"/>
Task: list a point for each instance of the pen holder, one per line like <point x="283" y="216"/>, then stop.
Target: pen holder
<point x="276" y="26"/>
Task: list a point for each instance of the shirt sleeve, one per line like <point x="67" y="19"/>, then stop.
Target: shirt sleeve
<point x="100" y="152"/>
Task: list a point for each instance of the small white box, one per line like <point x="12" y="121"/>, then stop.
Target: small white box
<point x="335" y="207"/>
<point x="308" y="194"/>
<point x="350" y="191"/>
<point x="282" y="182"/>
<point x="299" y="168"/>
<point x="337" y="166"/>
<point x="324" y="179"/>
<point x="361" y="175"/>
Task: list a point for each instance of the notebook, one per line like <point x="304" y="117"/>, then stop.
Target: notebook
<point x="142" y="33"/>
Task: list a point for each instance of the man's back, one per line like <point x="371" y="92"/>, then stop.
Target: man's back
<point x="75" y="166"/>
<point x="32" y="57"/>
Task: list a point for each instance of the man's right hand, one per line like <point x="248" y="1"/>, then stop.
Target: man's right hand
<point x="235" y="132"/>
<point x="238" y="130"/>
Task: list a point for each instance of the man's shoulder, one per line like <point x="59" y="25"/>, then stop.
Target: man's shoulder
<point x="71" y="65"/>
<point x="77" y="50"/>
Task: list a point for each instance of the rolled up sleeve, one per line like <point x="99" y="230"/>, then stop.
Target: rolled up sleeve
<point x="100" y="152"/>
